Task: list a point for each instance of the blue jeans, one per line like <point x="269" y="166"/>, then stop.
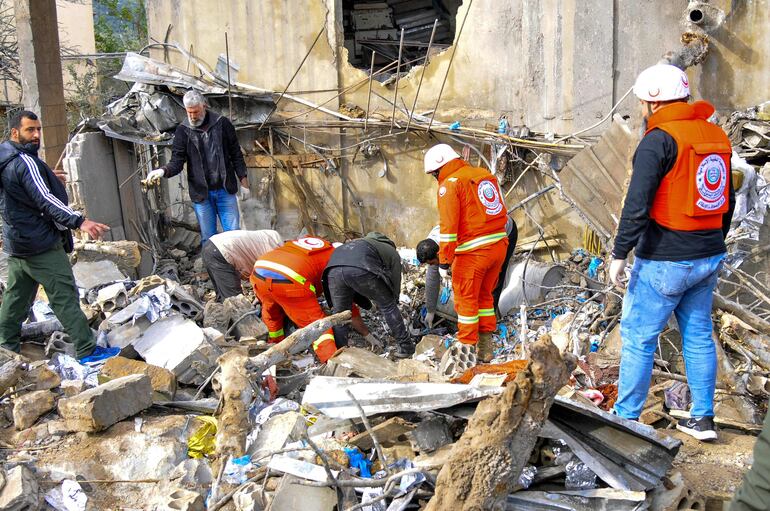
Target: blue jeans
<point x="219" y="204"/>
<point x="656" y="289"/>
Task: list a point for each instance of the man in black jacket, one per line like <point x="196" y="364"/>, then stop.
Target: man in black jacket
<point x="207" y="142"/>
<point x="363" y="270"/>
<point x="36" y="230"/>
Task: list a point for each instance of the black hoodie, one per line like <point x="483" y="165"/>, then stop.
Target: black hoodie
<point x="34" y="204"/>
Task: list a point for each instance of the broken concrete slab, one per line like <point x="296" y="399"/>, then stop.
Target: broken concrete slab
<point x="393" y="431"/>
<point x="409" y="369"/>
<point x="163" y="381"/>
<point x="100" y="407"/>
<point x="192" y="473"/>
<point x="59" y="342"/>
<point x="89" y="275"/>
<point x="249" y="498"/>
<point x="362" y="363"/>
<point x="431" y="434"/>
<point x="276" y="433"/>
<point x="250" y="326"/>
<point x="216" y="316"/>
<point x="430" y="342"/>
<point x="180" y="346"/>
<point x="179" y="499"/>
<point x="20" y="491"/>
<point x="41" y="377"/>
<point x="293" y="496"/>
<point x="28" y="408"/>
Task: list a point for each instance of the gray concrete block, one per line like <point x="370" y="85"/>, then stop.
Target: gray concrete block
<point x="21" y="491"/>
<point x="100" y="407"/>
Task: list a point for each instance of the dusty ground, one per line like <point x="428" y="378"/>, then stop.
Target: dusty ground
<point x="714" y="470"/>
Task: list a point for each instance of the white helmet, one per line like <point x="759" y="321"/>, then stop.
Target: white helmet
<point x="438" y="156"/>
<point x="662" y="82"/>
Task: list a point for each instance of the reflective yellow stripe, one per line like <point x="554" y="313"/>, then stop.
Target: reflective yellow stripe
<point x="447" y="237"/>
<point x="486" y="312"/>
<point x="468" y="320"/>
<point x="480" y="241"/>
<point x="275" y="334"/>
<point x="269" y="265"/>
<point x="320" y="340"/>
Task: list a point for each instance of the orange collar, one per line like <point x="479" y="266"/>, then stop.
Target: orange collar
<point x="450" y="168"/>
<point x="680" y="111"/>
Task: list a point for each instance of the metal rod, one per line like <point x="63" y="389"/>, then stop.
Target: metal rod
<point x="369" y="94"/>
<point x="275" y="106"/>
<point x="398" y="75"/>
<point x="531" y="198"/>
<point x="229" y="87"/>
<point x="425" y="65"/>
<point x="449" y="66"/>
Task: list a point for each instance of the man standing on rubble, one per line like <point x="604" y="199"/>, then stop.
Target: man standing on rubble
<point x="368" y="270"/>
<point x="676" y="215"/>
<point x="207" y="142"/>
<point x="472" y="242"/>
<point x="427" y="253"/>
<point x="287" y="281"/>
<point x="229" y="257"/>
<point x="36" y="235"/>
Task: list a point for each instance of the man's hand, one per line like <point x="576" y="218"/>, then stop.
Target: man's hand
<point x="617" y="272"/>
<point x="429" y="317"/>
<point x="94" y="229"/>
<point x="61" y="175"/>
<point x="445" y="273"/>
<point x="244" y="193"/>
<point x="245" y="182"/>
<point x="155" y="175"/>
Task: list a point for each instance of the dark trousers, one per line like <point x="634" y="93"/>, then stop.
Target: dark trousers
<point x="346" y="281"/>
<point x="52" y="270"/>
<point x="226" y="279"/>
<point x="513" y="236"/>
<point x="754" y="493"/>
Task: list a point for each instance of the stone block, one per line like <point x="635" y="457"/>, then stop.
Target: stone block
<point x="292" y="496"/>
<point x="41" y="377"/>
<point x="431" y="434"/>
<point x="276" y="432"/>
<point x="181" y="500"/>
<point x="180" y="346"/>
<point x="363" y="363"/>
<point x="390" y="432"/>
<point x="193" y="473"/>
<point x="21" y="491"/>
<point x="89" y="275"/>
<point x="100" y="407"/>
<point x="428" y="342"/>
<point x="28" y="408"/>
<point x="73" y="387"/>
<point x="163" y="381"/>
<point x="250" y="326"/>
<point x="216" y="316"/>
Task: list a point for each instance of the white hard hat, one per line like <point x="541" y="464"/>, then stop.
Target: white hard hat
<point x="438" y="156"/>
<point x="662" y="82"/>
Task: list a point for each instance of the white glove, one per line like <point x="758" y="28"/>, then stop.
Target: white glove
<point x="245" y="193"/>
<point x="373" y="341"/>
<point x="155" y="175"/>
<point x="617" y="272"/>
<point x="446" y="280"/>
<point x="429" y="317"/>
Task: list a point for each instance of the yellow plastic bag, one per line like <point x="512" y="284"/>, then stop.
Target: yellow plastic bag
<point x="201" y="443"/>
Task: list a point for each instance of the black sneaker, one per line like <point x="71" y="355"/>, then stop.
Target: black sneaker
<point x="404" y="350"/>
<point x="701" y="428"/>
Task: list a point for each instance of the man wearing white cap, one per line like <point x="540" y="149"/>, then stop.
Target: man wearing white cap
<point x="676" y="215"/>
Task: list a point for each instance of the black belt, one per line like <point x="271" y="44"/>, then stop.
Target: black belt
<point x="275" y="281"/>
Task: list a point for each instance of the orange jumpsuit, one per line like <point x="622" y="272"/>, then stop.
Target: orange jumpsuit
<point x="472" y="239"/>
<point x="287" y="280"/>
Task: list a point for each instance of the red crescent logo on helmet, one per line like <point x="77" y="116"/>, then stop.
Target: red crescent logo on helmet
<point x="439" y="159"/>
<point x="685" y="82"/>
<point x="653" y="92"/>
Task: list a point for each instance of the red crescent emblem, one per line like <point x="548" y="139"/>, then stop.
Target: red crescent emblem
<point x="685" y="82"/>
<point x="653" y="94"/>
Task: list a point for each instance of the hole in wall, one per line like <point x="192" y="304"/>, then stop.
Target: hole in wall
<point x="696" y="16"/>
<point x="375" y="27"/>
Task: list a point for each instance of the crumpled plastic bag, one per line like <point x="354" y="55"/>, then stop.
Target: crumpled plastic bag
<point x="237" y="469"/>
<point x="527" y="475"/>
<point x="579" y="476"/>
<point x="201" y="443"/>
<point x="68" y="368"/>
<point x="67" y="497"/>
<point x="677" y="396"/>
<point x="359" y="461"/>
<point x="155" y="303"/>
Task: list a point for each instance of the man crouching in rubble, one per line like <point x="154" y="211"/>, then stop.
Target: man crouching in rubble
<point x="207" y="142"/>
<point x="36" y="233"/>
<point x="676" y="215"/>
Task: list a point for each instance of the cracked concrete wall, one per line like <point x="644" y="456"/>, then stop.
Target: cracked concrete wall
<point x="555" y="65"/>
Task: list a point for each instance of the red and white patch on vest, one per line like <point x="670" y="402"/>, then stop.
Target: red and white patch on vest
<point x="711" y="181"/>
<point x="490" y="198"/>
<point x="309" y="243"/>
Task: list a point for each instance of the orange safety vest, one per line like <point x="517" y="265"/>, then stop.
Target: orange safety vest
<point x="472" y="210"/>
<point x="694" y="194"/>
<point x="302" y="261"/>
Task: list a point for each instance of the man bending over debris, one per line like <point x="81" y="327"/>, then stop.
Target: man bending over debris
<point x="229" y="257"/>
<point x="368" y="270"/>
<point x="427" y="252"/>
<point x="676" y="215"/>
<point x="36" y="235"/>
<point x="287" y="280"/>
<point x="472" y="242"/>
<point x="207" y="142"/>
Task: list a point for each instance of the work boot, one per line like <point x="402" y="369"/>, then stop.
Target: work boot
<point x="484" y="348"/>
<point x="404" y="349"/>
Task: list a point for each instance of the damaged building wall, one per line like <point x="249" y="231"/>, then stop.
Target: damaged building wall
<point x="555" y="66"/>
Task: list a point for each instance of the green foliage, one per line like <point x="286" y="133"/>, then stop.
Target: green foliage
<point x="119" y="25"/>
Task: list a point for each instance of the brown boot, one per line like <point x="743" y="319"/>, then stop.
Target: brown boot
<point x="484" y="348"/>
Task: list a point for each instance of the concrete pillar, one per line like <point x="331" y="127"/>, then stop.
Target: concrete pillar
<point x="37" y="30"/>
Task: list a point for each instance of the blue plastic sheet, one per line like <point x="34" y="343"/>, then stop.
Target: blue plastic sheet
<point x="359" y="461"/>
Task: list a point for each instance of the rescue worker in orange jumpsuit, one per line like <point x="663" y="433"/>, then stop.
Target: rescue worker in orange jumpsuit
<point x="676" y="214"/>
<point x="287" y="280"/>
<point x="472" y="241"/>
